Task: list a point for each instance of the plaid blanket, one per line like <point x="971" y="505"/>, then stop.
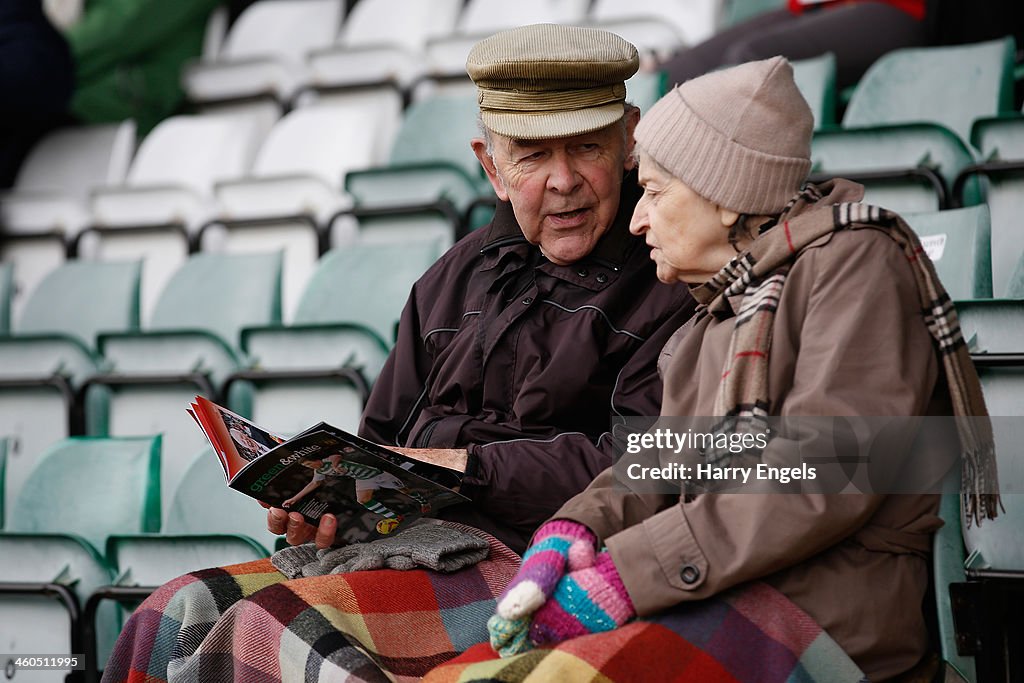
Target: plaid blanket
<point x="221" y="624"/>
<point x="248" y="623"/>
<point x="753" y="633"/>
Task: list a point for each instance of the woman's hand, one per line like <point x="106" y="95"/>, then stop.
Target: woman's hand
<point x="559" y="546"/>
<point x="590" y="600"/>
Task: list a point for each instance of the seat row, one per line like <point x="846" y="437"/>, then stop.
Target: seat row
<point x="70" y="552"/>
<point x="78" y="361"/>
<point x="75" y="559"/>
<point x="281" y="47"/>
<point x="312" y="179"/>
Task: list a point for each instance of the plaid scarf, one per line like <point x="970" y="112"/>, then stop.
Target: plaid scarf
<point x="759" y="274"/>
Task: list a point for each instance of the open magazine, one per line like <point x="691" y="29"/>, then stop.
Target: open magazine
<point x="372" y="490"/>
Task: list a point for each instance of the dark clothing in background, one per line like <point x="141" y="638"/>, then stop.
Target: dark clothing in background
<point x="857" y="33"/>
<point x="35" y="81"/>
<point x="953" y="22"/>
<point x="525" y="363"/>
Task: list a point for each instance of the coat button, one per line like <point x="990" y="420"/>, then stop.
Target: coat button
<point x="583" y="272"/>
<point x="689" y="574"/>
<point x="527" y="301"/>
<point x="602" y="278"/>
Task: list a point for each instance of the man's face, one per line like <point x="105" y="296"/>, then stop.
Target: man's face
<point x="564" y="191"/>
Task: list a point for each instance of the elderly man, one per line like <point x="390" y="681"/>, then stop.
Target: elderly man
<point x="516" y="351"/>
<point x="523" y="342"/>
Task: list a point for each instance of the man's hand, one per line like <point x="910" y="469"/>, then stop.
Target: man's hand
<point x="452" y="458"/>
<point x="296" y="531"/>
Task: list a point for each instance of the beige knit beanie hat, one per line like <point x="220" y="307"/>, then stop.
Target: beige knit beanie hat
<point x="740" y="137"/>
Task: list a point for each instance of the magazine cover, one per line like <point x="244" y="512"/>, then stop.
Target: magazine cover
<point x="372" y="490"/>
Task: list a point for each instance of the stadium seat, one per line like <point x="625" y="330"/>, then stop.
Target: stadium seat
<point x="167" y="196"/>
<point x="51" y="552"/>
<point x="215" y="33"/>
<point x="1001" y="143"/>
<point x="948" y="568"/>
<point x="905" y="168"/>
<point x="49" y="203"/>
<point x="958" y="242"/>
<point x="645" y="88"/>
<point x="816" y="79"/>
<point x="949" y="85"/>
<point x="431" y="159"/>
<point x="908" y="120"/>
<point x="189" y="346"/>
<point x="736" y="11"/>
<point x="987" y="608"/>
<point x="446" y="54"/>
<point x="6" y="294"/>
<point x="438" y="225"/>
<point x="322" y="364"/>
<point x="264" y="51"/>
<point x="51" y="351"/>
<point x="382" y="41"/>
<point x="659" y="27"/>
<point x="995" y="326"/>
<point x="4" y="441"/>
<point x="207" y="525"/>
<point x="295" y="186"/>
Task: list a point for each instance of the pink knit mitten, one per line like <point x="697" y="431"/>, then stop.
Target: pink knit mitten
<point x="589" y="600"/>
<point x="558" y="546"/>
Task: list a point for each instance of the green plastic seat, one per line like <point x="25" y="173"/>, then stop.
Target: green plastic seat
<point x="989" y="604"/>
<point x="60" y="322"/>
<point x="948" y="567"/>
<point x="949" y="85"/>
<point x="958" y="242"/>
<point x="190" y="346"/>
<point x="735" y="11"/>
<point x="303" y="372"/>
<point x="900" y="153"/>
<point x="816" y="79"/>
<point x="996" y="326"/>
<point x="3" y="478"/>
<point x="6" y="294"/>
<point x="207" y="525"/>
<point x="61" y="519"/>
<point x="1001" y="170"/>
<point x="913" y="109"/>
<point x="645" y="88"/>
<point x="51" y="352"/>
<point x="431" y="159"/>
<point x="999" y="544"/>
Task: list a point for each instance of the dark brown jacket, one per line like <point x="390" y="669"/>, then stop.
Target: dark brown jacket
<point x="526" y="363"/>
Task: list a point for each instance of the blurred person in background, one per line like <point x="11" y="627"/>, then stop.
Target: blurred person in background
<point x="129" y="54"/>
<point x="857" y="32"/>
<point x="36" y="81"/>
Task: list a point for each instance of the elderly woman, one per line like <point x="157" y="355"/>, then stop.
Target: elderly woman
<point x="811" y="305"/>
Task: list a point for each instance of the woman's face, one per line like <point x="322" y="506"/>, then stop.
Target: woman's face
<point x="688" y="235"/>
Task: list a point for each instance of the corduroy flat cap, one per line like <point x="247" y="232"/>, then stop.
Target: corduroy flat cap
<point x="549" y="81"/>
<point x="740" y="137"/>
